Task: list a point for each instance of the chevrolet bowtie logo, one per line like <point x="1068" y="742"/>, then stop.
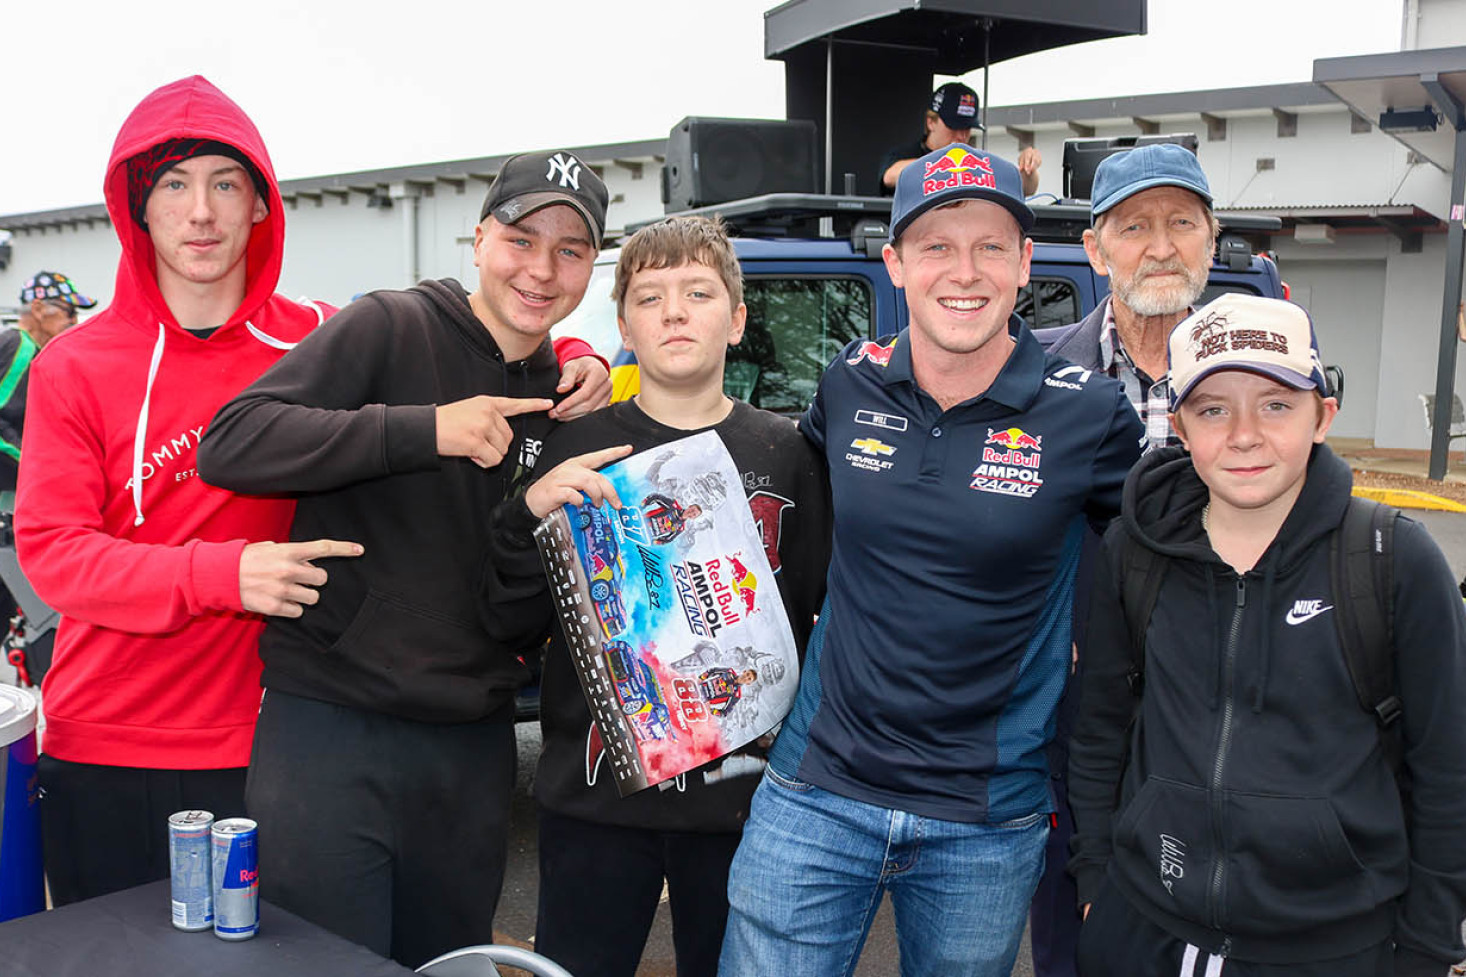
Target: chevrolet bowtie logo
<point x="871" y="446"/>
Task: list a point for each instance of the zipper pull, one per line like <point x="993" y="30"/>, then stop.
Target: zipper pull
<point x="1241" y="592"/>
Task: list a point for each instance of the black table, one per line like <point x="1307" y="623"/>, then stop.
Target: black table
<point x="129" y="934"/>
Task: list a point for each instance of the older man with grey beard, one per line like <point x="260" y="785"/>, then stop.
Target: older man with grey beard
<point x="1152" y="237"/>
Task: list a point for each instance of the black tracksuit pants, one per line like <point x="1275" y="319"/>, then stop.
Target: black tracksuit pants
<point x="599" y="889"/>
<point x="1117" y="941"/>
<point x="386" y="831"/>
<point x="105" y="829"/>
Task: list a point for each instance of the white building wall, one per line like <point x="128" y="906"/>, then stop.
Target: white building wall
<point x="1410" y="345"/>
<point x="335" y="250"/>
<point x="88" y="256"/>
<point x="1437" y="23"/>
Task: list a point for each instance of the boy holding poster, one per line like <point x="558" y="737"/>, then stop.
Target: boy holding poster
<point x="603" y="858"/>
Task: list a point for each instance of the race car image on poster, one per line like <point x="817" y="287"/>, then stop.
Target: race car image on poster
<point x="671" y="613"/>
<point x="639" y="693"/>
<point x="601" y="557"/>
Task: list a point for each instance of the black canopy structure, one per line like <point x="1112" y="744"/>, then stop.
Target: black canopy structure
<point x="1419" y="97"/>
<point x="862" y="70"/>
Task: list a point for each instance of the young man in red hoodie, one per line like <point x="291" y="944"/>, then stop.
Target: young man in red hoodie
<point x="161" y="579"/>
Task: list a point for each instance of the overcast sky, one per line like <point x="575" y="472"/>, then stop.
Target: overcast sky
<point x="338" y="85"/>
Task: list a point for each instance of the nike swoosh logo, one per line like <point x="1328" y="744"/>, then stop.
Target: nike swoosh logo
<point x="1295" y="618"/>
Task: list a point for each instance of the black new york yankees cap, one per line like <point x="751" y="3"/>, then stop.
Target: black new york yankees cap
<point x="532" y="181"/>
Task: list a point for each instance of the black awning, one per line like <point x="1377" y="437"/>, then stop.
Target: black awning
<point x="950" y="29"/>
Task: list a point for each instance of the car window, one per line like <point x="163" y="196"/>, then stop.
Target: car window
<point x="1047" y="302"/>
<point x="795" y="327"/>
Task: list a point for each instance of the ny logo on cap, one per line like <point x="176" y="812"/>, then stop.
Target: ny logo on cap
<point x="569" y="169"/>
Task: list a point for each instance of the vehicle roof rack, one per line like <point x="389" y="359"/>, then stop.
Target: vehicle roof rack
<point x="822" y="215"/>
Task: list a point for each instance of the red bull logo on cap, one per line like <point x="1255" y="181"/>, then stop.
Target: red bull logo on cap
<point x="955" y="168"/>
<point x="875" y="352"/>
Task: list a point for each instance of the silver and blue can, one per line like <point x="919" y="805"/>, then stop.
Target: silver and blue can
<point x="189" y="864"/>
<point x="236" y="867"/>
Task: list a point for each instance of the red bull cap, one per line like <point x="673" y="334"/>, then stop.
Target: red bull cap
<point x="957" y="172"/>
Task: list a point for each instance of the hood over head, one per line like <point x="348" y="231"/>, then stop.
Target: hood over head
<point x="190" y="109"/>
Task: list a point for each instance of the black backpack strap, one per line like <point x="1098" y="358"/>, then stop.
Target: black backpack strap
<point x="1361" y="561"/>
<point x="1138" y="572"/>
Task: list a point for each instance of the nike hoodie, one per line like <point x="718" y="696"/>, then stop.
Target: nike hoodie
<point x="155" y="660"/>
<point x="1257" y="816"/>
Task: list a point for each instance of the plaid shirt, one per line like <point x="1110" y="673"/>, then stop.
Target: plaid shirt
<point x="1150" y="398"/>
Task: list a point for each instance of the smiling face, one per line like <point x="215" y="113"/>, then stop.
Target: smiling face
<point x="1156" y="249"/>
<point x="200" y="215"/>
<point x="532" y="274"/>
<point x="680" y="321"/>
<point x="1250" y="437"/>
<point x="961" y="266"/>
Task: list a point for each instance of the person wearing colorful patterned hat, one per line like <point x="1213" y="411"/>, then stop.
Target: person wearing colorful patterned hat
<point x="56" y="290"/>
<point x="49" y="307"/>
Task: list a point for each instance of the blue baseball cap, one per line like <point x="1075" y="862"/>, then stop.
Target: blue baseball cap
<point x="1123" y="175"/>
<point x="957" y="172"/>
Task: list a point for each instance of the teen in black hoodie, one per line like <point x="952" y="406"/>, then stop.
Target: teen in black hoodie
<point x="383" y="760"/>
<point x="1257" y="820"/>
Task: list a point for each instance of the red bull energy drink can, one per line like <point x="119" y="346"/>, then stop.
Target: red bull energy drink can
<point x="236" y="869"/>
<point x="189" y="866"/>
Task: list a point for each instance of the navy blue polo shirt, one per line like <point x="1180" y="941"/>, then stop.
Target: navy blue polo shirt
<point x="944" y="645"/>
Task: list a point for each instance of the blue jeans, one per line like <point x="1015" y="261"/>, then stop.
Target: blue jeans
<point x="812" y="867"/>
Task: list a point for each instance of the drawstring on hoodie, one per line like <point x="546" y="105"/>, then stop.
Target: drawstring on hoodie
<point x="139" y="439"/>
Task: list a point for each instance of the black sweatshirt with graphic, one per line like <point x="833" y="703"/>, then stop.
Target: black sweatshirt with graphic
<point x="347" y="423"/>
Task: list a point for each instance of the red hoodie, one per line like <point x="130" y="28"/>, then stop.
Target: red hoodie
<point x="155" y="662"/>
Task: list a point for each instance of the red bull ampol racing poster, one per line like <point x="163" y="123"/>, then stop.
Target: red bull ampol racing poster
<point x="671" y="613"/>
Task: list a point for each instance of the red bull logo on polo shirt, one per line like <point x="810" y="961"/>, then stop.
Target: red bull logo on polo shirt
<point x="875" y="352"/>
<point x="957" y="167"/>
<point x="1014" y="470"/>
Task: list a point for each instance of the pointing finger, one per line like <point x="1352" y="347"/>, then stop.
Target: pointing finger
<point x="511" y="406"/>
<point x="319" y="548"/>
<point x="595" y="459"/>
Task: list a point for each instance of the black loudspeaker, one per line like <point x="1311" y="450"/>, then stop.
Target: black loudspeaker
<point x="1083" y="156"/>
<point x="710" y="161"/>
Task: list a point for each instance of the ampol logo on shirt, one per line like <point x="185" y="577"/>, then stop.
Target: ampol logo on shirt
<point x="1013" y="471"/>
